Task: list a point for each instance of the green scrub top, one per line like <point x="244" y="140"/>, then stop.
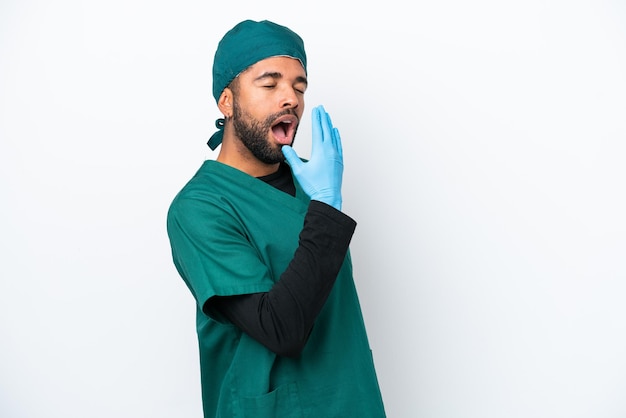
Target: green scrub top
<point x="234" y="234"/>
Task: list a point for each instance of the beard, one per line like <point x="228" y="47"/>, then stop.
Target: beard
<point x="253" y="134"/>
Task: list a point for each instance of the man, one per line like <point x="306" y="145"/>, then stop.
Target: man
<point x="259" y="238"/>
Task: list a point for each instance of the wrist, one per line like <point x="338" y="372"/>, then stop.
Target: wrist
<point x="334" y="201"/>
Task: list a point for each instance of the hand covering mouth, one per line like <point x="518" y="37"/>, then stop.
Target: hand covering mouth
<point x="284" y="129"/>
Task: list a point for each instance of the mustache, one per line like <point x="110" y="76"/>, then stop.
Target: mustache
<point x="271" y="118"/>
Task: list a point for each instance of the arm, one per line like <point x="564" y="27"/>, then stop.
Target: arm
<point x="282" y="318"/>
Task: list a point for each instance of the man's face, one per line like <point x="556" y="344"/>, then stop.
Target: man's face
<point x="268" y="101"/>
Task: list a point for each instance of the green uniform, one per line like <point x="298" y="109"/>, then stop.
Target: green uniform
<point x="234" y="234"/>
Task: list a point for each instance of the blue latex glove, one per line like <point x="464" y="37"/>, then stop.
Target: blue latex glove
<point x="321" y="176"/>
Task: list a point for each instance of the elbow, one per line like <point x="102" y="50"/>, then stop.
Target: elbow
<point x="292" y="348"/>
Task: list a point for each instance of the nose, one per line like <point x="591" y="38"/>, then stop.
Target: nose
<point x="289" y="98"/>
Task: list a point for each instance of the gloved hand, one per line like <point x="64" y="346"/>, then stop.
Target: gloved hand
<point x="321" y="176"/>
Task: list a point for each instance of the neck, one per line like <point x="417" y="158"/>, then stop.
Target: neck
<point x="244" y="161"/>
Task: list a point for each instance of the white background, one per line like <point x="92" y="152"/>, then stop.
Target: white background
<point x="484" y="151"/>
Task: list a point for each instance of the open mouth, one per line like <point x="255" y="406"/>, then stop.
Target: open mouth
<point x="284" y="129"/>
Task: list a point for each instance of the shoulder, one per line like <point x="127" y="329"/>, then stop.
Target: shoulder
<point x="202" y="197"/>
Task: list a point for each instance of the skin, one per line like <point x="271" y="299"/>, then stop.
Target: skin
<point x="268" y="92"/>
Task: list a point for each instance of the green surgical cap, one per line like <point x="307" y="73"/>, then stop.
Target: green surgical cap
<point x="244" y="45"/>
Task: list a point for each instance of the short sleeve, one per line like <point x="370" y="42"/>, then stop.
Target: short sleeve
<point x="212" y="252"/>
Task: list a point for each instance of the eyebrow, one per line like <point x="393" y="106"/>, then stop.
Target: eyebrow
<point x="276" y="75"/>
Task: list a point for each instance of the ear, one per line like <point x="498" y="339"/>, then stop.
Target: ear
<point x="225" y="102"/>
